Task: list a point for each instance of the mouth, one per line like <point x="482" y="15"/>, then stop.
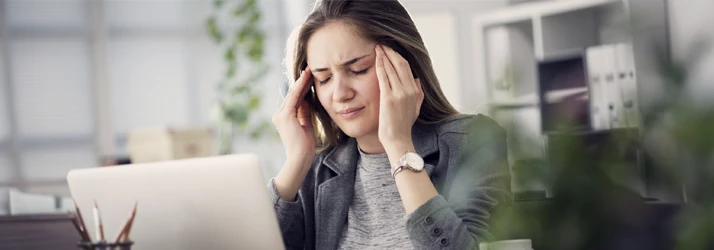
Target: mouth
<point x="350" y="112"/>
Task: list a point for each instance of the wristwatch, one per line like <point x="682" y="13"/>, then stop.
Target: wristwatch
<point x="411" y="161"/>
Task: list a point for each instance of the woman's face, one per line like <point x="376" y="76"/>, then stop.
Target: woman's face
<point x="345" y="78"/>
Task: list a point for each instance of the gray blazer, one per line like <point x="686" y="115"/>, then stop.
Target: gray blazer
<point x="466" y="159"/>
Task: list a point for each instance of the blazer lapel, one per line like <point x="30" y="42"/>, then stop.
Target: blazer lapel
<point x="335" y="195"/>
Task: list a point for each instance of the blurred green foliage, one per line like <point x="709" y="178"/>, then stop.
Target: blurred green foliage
<point x="234" y="26"/>
<point x="591" y="209"/>
<point x="687" y="127"/>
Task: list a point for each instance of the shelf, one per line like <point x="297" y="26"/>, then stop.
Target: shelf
<point x="512" y="105"/>
<point x="529" y="11"/>
<point x="526" y="101"/>
<point x="555" y="96"/>
<point x="502" y="106"/>
<point x="628" y="131"/>
<point x="27" y="183"/>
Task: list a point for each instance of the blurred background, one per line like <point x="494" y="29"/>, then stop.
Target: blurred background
<point x="88" y="83"/>
<point x="79" y="76"/>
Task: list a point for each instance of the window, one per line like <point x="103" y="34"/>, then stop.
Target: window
<point x="50" y="79"/>
<point x="161" y="69"/>
<point x="52" y="91"/>
<point x="148" y="82"/>
<point x="4" y="118"/>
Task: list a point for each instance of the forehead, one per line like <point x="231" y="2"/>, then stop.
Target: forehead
<point x="334" y="44"/>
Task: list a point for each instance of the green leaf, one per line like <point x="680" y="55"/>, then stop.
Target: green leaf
<point x="242" y="9"/>
<point x="238" y="114"/>
<point x="255" y="52"/>
<point x="240" y="90"/>
<point x="213" y="31"/>
<point x="254" y="102"/>
<point x="261" y="129"/>
<point x="245" y="34"/>
<point x="218" y="3"/>
<point x="255" y="133"/>
<point x="254" y="18"/>
<point x="230" y="55"/>
<point x="232" y="69"/>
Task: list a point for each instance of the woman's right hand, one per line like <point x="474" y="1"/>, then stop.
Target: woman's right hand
<point x="294" y="124"/>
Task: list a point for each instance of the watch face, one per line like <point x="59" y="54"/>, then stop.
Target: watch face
<point x="414" y="161"/>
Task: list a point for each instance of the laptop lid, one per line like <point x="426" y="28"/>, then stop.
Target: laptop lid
<point x="204" y="203"/>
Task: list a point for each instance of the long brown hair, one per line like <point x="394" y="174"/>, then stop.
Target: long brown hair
<point x="385" y="22"/>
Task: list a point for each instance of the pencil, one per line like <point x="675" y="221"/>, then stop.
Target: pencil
<point x="131" y="223"/>
<point x="82" y="225"/>
<point x="75" y="222"/>
<point x="98" y="222"/>
<point x="124" y="227"/>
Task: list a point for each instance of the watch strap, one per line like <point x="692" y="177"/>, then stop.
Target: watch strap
<point x="396" y="171"/>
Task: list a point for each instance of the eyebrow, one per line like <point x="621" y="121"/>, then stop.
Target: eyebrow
<point x="345" y="64"/>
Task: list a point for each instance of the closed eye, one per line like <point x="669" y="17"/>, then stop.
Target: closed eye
<point x="361" y="71"/>
<point x="325" y="81"/>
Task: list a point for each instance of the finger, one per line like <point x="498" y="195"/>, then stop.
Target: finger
<point x="384" y="86"/>
<point x="282" y="104"/>
<point x="291" y="90"/>
<point x="420" y="100"/>
<point x="391" y="75"/>
<point x="401" y="66"/>
<point x="419" y="88"/>
<point x="299" y="90"/>
<point x="304" y="114"/>
<point x="306" y="88"/>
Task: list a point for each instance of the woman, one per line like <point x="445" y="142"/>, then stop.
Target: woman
<point x="376" y="156"/>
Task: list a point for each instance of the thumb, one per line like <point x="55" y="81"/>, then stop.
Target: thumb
<point x="420" y="99"/>
<point x="304" y="114"/>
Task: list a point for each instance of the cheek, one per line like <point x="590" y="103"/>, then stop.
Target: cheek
<point x="372" y="90"/>
<point x="323" y="96"/>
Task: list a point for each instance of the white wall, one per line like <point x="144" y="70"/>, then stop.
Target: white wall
<point x="690" y="22"/>
<point x="434" y="27"/>
<point x="446" y="27"/>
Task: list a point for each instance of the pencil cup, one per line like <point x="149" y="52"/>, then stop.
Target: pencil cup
<point x="103" y="245"/>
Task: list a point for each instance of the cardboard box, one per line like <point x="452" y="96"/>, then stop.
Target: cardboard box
<point x="164" y="144"/>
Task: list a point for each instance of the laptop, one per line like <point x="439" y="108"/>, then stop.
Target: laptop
<point x="203" y="203"/>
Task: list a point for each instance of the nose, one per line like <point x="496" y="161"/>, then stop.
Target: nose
<point x="343" y="90"/>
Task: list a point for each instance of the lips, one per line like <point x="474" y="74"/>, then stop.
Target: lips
<point x="350" y="112"/>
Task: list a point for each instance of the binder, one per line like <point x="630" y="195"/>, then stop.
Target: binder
<point x="628" y="84"/>
<point x="599" y="116"/>
<point x="612" y="91"/>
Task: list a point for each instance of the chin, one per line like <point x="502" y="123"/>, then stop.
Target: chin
<point x="356" y="130"/>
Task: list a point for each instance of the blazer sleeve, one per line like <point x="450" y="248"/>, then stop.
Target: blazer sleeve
<point x="291" y="218"/>
<point x="478" y="181"/>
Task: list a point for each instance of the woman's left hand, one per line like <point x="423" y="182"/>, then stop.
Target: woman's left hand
<point x="400" y="98"/>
